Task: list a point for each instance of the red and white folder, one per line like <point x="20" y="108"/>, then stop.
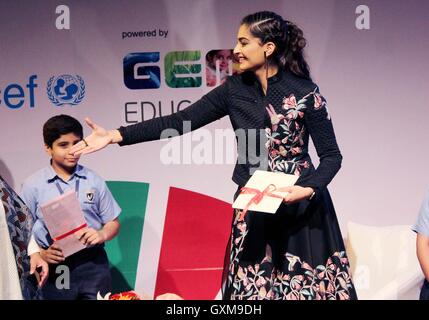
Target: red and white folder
<point x="63" y="217"/>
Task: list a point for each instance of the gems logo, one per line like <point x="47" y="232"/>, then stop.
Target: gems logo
<point x="139" y="74"/>
<point x="66" y="89"/>
<point x="182" y="69"/>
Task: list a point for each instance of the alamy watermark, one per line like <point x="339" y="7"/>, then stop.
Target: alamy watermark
<point x="205" y="147"/>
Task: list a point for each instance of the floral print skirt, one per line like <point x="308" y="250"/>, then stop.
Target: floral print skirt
<point x="295" y="254"/>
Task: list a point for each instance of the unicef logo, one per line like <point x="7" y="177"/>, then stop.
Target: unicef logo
<point x="66" y="89"/>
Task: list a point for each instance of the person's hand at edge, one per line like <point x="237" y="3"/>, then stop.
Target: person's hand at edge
<point x="37" y="263"/>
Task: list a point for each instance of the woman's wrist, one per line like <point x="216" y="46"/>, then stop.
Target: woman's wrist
<point x="311" y="192"/>
<point x="116" y="136"/>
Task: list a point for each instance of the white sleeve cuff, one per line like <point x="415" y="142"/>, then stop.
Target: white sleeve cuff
<point x="33" y="247"/>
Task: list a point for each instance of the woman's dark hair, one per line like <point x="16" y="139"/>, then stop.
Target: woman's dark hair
<point x="288" y="38"/>
<point x="59" y="125"/>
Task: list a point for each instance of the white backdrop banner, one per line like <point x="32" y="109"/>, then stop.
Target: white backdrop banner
<point x="121" y="62"/>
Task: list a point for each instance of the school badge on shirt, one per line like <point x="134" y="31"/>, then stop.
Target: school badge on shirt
<point x="90" y="195"/>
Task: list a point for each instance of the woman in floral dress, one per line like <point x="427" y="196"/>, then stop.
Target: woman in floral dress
<point x="297" y="253"/>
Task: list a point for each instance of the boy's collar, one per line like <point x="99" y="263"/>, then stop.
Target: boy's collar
<point x="52" y="175"/>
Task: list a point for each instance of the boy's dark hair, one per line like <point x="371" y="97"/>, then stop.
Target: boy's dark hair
<point x="56" y="126"/>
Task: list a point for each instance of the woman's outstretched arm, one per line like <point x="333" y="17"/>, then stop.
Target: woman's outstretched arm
<point x="212" y="106"/>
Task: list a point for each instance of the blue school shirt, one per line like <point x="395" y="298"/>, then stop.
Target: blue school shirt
<point x="96" y="200"/>
<point x="422" y="224"/>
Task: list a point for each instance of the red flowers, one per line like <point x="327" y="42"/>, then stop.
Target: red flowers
<point x="130" y="295"/>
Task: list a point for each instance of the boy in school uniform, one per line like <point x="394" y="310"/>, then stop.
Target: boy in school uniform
<point x="88" y="269"/>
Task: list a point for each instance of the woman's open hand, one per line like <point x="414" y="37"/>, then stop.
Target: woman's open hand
<point x="98" y="139"/>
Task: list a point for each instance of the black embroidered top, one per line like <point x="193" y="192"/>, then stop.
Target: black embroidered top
<point x="283" y="119"/>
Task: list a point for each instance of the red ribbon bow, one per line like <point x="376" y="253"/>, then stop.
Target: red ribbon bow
<point x="259" y="195"/>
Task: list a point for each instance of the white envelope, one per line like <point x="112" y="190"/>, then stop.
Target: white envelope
<point x="62" y="215"/>
<point x="260" y="180"/>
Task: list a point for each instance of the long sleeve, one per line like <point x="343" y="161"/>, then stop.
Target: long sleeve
<point x="212" y="106"/>
<point x="319" y="126"/>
